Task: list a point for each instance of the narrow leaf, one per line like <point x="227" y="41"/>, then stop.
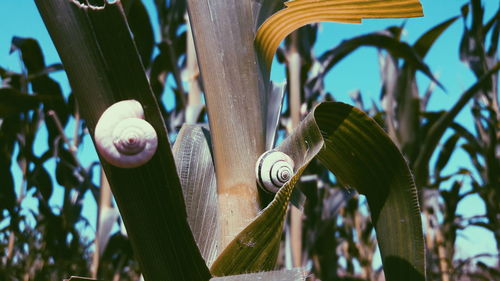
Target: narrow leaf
<point x="425" y="42"/>
<point x="140" y="26"/>
<point x="42" y="180"/>
<point x="195" y="167"/>
<point x="31" y="53"/>
<point x="108" y="218"/>
<point x="380" y="40"/>
<point x="362" y="156"/>
<point x="103" y="67"/>
<point x="437" y="131"/>
<point x="13" y="102"/>
<point x="47" y="70"/>
<point x="445" y="154"/>
<point x="275" y="101"/>
<point x="301" y="12"/>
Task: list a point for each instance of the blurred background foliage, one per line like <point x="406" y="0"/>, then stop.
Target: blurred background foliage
<point x="44" y="145"/>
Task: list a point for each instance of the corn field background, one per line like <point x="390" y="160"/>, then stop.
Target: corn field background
<point x="431" y="83"/>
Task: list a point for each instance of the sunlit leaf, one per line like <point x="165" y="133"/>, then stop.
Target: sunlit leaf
<point x="301" y="12"/>
<point x="362" y="156"/>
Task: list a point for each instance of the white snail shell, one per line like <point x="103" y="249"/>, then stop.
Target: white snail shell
<point x="123" y="137"/>
<point x="273" y="169"/>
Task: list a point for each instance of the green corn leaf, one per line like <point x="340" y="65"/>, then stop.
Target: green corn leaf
<point x="104" y="67"/>
<point x="436" y="132"/>
<point x="14" y="102"/>
<point x="445" y="154"/>
<point x="141" y="28"/>
<point x="362" y="156"/>
<point x="425" y="42"/>
<point x="381" y="40"/>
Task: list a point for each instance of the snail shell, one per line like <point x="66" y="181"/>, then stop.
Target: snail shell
<point x="273" y="169"/>
<point x="123" y="137"/>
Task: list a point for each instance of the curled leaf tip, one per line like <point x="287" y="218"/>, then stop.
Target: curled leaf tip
<point x="302" y="12"/>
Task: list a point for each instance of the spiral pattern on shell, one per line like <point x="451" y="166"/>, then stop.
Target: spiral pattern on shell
<point x="123" y="137"/>
<point x="273" y="169"/>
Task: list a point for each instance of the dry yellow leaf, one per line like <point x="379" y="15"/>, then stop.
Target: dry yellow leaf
<point x="302" y="12"/>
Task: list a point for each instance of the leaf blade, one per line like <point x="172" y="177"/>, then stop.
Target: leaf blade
<point x="436" y="132"/>
<point x="425" y="42"/>
<point x="154" y="215"/>
<point x="301" y="12"/>
<point x="197" y="175"/>
<point x="380" y="40"/>
<point x="361" y="155"/>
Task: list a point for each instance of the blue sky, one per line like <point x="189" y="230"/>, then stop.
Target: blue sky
<point x="358" y="71"/>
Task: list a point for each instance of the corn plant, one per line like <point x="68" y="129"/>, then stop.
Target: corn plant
<point x="185" y="212"/>
<point x="53" y="235"/>
<point x="481" y="56"/>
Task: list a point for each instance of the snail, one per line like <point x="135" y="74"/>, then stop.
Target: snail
<point x="273" y="169"/>
<point x="123" y="137"/>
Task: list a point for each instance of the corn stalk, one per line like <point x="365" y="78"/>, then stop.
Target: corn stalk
<point x="235" y="97"/>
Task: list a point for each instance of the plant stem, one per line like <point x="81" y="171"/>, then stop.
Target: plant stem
<point x="180" y="98"/>
<point x="104" y="202"/>
<point x="235" y="96"/>
<point x="194" y="95"/>
<point x="52" y="114"/>
<point x="443" y="261"/>
<point x="294" y="67"/>
<point x="22" y="194"/>
<point x="76" y="133"/>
